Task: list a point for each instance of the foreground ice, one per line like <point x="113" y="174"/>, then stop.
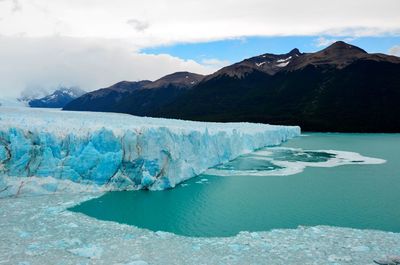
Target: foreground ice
<point x="116" y="151"/>
<point x="39" y="230"/>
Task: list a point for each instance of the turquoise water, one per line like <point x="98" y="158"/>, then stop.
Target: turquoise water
<point x="355" y="195"/>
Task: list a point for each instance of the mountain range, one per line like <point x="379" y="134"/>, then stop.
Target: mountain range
<point x="58" y="99"/>
<point x="341" y="88"/>
<point x="141" y="98"/>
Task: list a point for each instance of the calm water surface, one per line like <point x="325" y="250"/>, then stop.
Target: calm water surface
<point x="357" y="196"/>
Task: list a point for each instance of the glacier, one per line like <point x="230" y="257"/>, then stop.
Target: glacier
<point x="117" y="151"/>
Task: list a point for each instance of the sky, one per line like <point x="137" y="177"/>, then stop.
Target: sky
<point x="95" y="43"/>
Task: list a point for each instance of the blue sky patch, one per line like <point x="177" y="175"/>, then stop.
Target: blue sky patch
<point x="234" y="50"/>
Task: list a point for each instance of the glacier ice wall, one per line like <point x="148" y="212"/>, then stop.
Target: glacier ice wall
<point x="120" y="152"/>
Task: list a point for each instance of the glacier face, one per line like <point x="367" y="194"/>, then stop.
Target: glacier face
<point x="118" y="151"/>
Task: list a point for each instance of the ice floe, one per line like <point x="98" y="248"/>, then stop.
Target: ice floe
<point x="283" y="161"/>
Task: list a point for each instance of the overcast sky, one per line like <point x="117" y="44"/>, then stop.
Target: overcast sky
<point x="94" y="43"/>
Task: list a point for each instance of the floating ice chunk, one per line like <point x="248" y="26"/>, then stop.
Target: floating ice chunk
<point x="360" y="249"/>
<point x="163" y="234"/>
<point x="136" y="262"/>
<point x="89" y="251"/>
<point x="24" y="234"/>
<point x="72" y="225"/>
<point x="334" y="258"/>
<point x="390" y="260"/>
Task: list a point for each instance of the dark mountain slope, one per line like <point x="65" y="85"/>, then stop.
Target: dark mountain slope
<point x="138" y="98"/>
<point x="346" y="90"/>
<point x="104" y="99"/>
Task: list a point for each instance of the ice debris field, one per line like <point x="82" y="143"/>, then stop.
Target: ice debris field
<point x="40" y="230"/>
<point x="45" y="151"/>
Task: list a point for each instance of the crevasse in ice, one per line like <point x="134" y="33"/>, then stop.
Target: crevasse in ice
<point x="120" y="152"/>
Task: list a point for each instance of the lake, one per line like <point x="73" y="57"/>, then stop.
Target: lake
<point x="306" y="181"/>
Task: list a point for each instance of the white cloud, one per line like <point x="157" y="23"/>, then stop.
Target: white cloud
<point x="14" y="5"/>
<point x="192" y="20"/>
<point x="215" y="63"/>
<point x="46" y="63"/>
<point x="395" y="50"/>
<point x="138" y="25"/>
<point x="324" y="41"/>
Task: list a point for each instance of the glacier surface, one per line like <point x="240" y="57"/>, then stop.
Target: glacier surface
<point x="118" y="151"/>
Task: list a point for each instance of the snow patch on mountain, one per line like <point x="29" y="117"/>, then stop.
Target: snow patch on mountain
<point x="283" y="60"/>
<point x="282" y="64"/>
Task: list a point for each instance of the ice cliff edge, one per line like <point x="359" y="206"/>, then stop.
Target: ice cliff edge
<point x="120" y="152"/>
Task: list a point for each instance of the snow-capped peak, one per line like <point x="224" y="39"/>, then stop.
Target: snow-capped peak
<point x="58" y="99"/>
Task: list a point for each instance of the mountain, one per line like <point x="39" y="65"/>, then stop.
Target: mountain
<point x="266" y="63"/>
<point x="138" y="98"/>
<point x="341" y="88"/>
<point x="57" y="99"/>
<point x="106" y="98"/>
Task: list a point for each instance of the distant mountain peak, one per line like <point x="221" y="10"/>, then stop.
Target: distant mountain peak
<point x="124" y="86"/>
<point x="295" y="51"/>
<point x="341" y="46"/>
<point x="58" y="99"/>
<point x="178" y="79"/>
<point x="267" y="63"/>
<point x="72" y="91"/>
<point x="339" y="55"/>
